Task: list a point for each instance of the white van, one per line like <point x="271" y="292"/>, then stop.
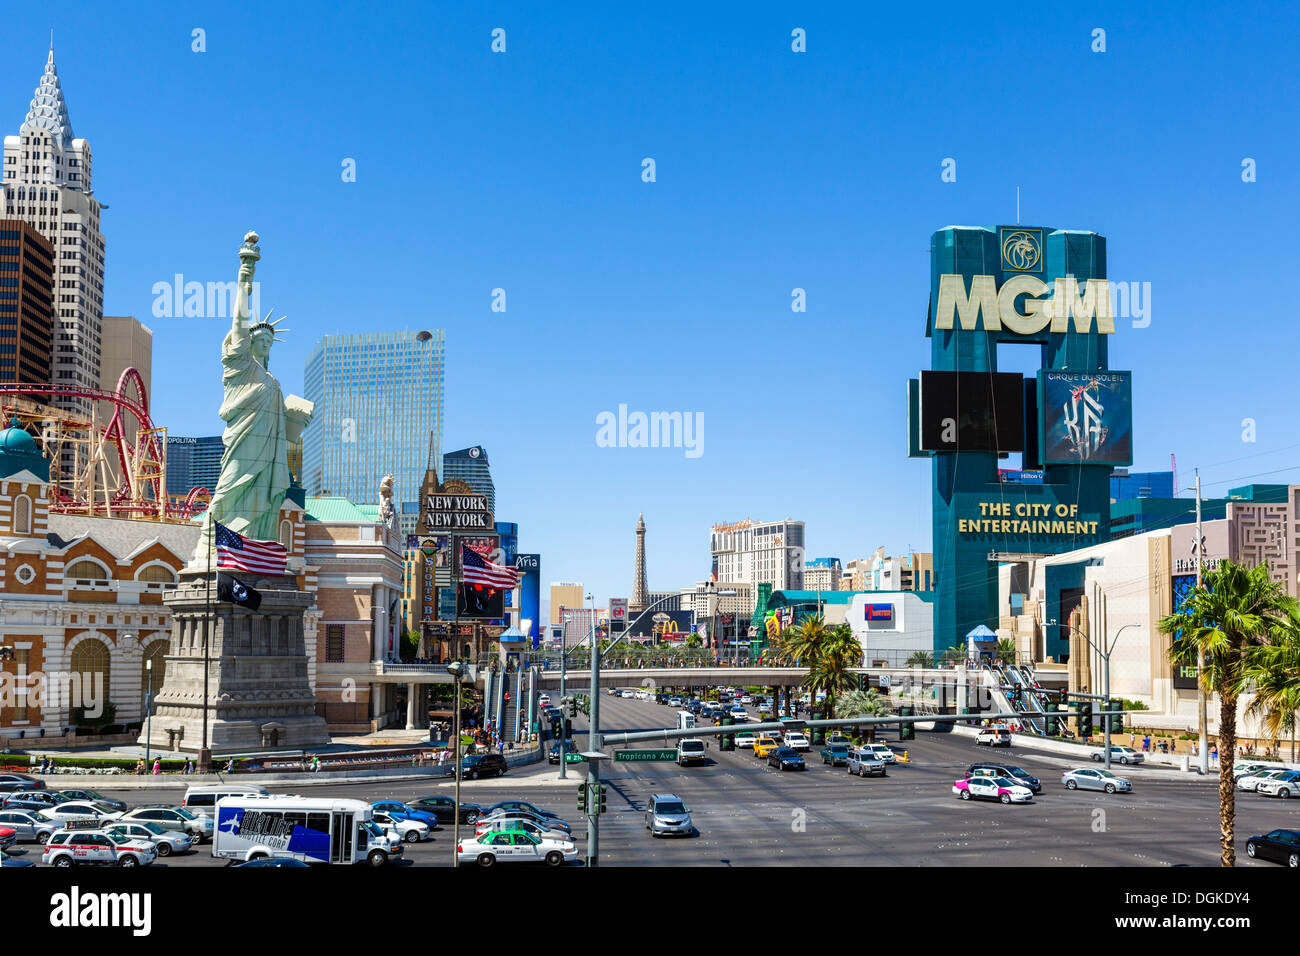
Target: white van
<point x="685" y="720"/>
<point x="690" y="750"/>
<point x="203" y="799"/>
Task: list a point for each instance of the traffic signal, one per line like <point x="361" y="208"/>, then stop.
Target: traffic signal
<point x="600" y="806"/>
<point x="1116" y="720"/>
<point x="555" y="729"/>
<point x="1051" y="728"/>
<point x="726" y="741"/>
<point x="573" y="707"/>
<point x="1085" y="718"/>
<point x="568" y="727"/>
<point x="906" y="731"/>
<point x="582" y="797"/>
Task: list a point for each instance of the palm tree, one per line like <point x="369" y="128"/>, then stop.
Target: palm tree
<point x="921" y="659"/>
<point x="863" y="703"/>
<point x="1231" y="616"/>
<point x="830" y="672"/>
<point x="955" y="654"/>
<point x="1007" y="651"/>
<point x="1275" y="671"/>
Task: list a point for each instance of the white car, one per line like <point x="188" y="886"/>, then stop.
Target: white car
<point x="881" y="752"/>
<point x="81" y="811"/>
<point x="994" y="736"/>
<point x="511" y="847"/>
<point x="95" y="847"/>
<point x="409" y="831"/>
<point x="1001" y="789"/>
<point x="165" y="841"/>
<point x="739" y="714"/>
<point x="1250" y="782"/>
<point x="1124" y="755"/>
<point x="795" y="740"/>
<point x="747" y="700"/>
<point x="515" y="823"/>
<point x="1285" y="784"/>
<point x="674" y="702"/>
<point x="544" y="700"/>
<point x="745" y="739"/>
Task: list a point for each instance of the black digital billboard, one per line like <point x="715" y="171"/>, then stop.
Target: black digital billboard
<point x="480" y="600"/>
<point x="972" y="411"/>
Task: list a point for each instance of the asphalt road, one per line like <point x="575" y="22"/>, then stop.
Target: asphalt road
<point x="747" y="814"/>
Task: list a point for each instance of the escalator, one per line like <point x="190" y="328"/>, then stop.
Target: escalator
<point x="1021" y="696"/>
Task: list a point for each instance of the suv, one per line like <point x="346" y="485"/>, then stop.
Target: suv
<point x="994" y="736"/>
<point x="483" y="765"/>
<point x="171" y="818"/>
<point x="667" y="814"/>
<point x="97" y="848"/>
<point x="1014" y="774"/>
<point x="864" y="762"/>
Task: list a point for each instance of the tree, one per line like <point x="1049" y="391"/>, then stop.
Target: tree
<point x="693" y="640"/>
<point x="955" y="654"/>
<point x="1275" y="671"/>
<point x="830" y="671"/>
<point x="1007" y="651"/>
<point x="921" y="659"/>
<point x="863" y="703"/>
<point x="1234" y="614"/>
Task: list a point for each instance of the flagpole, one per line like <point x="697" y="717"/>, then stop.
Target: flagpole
<point x="205" y="755"/>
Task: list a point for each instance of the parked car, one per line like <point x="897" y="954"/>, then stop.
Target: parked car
<point x="444" y="809"/>
<point x="93" y="795"/>
<point x="864" y="762"/>
<point x="1011" y="771"/>
<point x="1285" y="784"/>
<point x="29" y="827"/>
<point x="786" y="758"/>
<point x="1250" y="781"/>
<point x="406" y="828"/>
<point x="1124" y="755"/>
<point x="796" y="741"/>
<point x="165" y="841"/>
<point x="667" y="813"/>
<point x="402" y="811"/>
<point x="1276" y="846"/>
<point x="512" y="847"/>
<point x="520" y="825"/>
<point x="171" y="818"/>
<point x="1245" y="769"/>
<point x="837" y="755"/>
<point x="96" y="848"/>
<point x="992" y="788"/>
<point x="30" y="806"/>
<point x="1086" y="778"/>
<point x="474" y="766"/>
<point x="82" y="810"/>
<point x="997" y="736"/>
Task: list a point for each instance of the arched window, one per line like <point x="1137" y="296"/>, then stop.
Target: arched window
<point x="155" y="651"/>
<point x="86" y="570"/>
<point x="286" y="534"/>
<point x="90" y="666"/>
<point x="157" y="573"/>
<point x="22" y="515"/>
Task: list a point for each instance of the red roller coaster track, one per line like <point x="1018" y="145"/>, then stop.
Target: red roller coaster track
<point x="128" y="501"/>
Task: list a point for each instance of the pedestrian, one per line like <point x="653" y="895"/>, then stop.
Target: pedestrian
<point x="44" y="763"/>
<point x="157" y="766"/>
<point x="1146" y="743"/>
<point x="315" y="763"/>
<point x="1214" y="751"/>
<point x="230" y="765"/>
<point x="139" y="767"/>
<point x="1132" y="741"/>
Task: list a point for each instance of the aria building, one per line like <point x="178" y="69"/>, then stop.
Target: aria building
<point x="379" y="401"/>
<point x="471" y="466"/>
<point x="47" y="183"/>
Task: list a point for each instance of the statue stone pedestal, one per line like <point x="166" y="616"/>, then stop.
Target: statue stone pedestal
<point x="258" y="695"/>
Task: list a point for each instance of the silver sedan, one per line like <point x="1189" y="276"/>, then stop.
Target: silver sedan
<point x="27" y="825"/>
<point x="165" y="841"/>
<point x="1085" y="778"/>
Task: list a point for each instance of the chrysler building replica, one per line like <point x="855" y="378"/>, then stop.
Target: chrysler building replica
<point x="47" y="183"/>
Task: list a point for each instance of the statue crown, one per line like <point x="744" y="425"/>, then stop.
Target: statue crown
<point x="273" y="327"/>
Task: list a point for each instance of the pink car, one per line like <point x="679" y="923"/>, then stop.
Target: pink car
<point x="992" y="788"/>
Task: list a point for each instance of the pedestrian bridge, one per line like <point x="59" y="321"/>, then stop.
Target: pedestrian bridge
<point x="744" y="675"/>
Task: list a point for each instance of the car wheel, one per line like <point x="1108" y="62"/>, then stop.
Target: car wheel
<point x="472" y="817"/>
<point x="1110" y="788"/>
<point x="1071" y="785"/>
<point x="486" y="859"/>
<point x="377" y="858"/>
<point x="42" y="838"/>
<point x="554" y="858"/>
<point x="128" y="860"/>
<point x="473" y="774"/>
<point x="63" y="861"/>
<point x="502" y="771"/>
<point x="1124" y="761"/>
<point x="1006" y="798"/>
<point x="1096" y="758"/>
<point x="965" y="794"/>
<point x="1293" y="860"/>
<point x="411" y="836"/>
<point x="1284" y="793"/>
<point x="164" y="849"/>
<point x="1250" y="851"/>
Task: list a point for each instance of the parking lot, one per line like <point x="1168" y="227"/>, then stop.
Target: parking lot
<point x="748" y="814"/>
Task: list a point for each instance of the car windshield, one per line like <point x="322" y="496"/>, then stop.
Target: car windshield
<point x="1018" y="772"/>
<point x="669" y="806"/>
<point x="118" y="838"/>
<point x="373" y="829"/>
<point x="1003" y="782"/>
<point x="1104" y="773"/>
<point x="689" y="747"/>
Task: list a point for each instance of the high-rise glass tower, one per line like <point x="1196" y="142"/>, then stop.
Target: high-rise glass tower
<point x="378" y="411"/>
<point x="193" y="463"/>
<point x="471" y="466"/>
<point x="47" y="183"/>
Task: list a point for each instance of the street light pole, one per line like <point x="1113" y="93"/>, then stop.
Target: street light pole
<point x="593" y="745"/>
<point x="1204" y="729"/>
<point x="1105" y="673"/>
<point x="455" y="669"/>
<point x="148" y="702"/>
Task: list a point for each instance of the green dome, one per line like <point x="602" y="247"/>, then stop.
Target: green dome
<point x="15" y="439"/>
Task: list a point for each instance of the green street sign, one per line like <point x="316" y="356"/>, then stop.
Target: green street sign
<point x="626" y="756"/>
<point x="573" y="758"/>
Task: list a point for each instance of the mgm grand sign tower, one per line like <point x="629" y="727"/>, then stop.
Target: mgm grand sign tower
<point x="1000" y="288"/>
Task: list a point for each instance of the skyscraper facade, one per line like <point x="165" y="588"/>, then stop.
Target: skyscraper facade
<point x="193" y="463"/>
<point x="26" y="304"/>
<point x="471" y="466"/>
<point x="379" y="400"/>
<point x="47" y="182"/>
<point x="758" y="552"/>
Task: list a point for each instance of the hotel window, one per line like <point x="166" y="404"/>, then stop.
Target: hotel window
<point x="334" y="643"/>
<point x="86" y="571"/>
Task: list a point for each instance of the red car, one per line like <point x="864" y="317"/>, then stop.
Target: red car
<point x="7" y="836"/>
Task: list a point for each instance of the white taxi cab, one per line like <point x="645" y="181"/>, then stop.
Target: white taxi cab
<point x="96" y="848"/>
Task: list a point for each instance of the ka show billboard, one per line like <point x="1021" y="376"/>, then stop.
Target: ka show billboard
<point x="1087" y="417"/>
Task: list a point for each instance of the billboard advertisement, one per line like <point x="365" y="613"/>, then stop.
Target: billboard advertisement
<point x="479" y="600"/>
<point x="1087" y="417"/>
<point x="972" y="411"/>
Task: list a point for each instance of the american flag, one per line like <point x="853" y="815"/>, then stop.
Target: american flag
<point x="476" y="569"/>
<point x="249" y="554"/>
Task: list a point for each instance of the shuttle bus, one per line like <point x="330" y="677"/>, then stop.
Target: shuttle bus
<point x="311" y="829"/>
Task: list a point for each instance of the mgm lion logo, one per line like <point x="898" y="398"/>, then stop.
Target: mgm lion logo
<point x="1022" y="250"/>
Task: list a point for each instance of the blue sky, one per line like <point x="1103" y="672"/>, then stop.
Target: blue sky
<point x="775" y="170"/>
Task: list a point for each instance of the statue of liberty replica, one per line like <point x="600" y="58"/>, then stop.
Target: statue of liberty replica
<point x="236" y="676"/>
